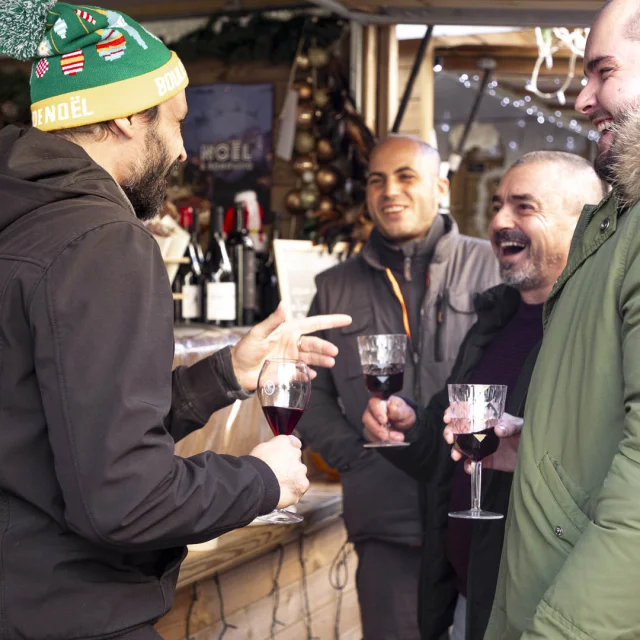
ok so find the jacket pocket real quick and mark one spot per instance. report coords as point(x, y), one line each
point(455, 313)
point(566, 519)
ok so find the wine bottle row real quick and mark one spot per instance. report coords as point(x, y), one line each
point(229, 284)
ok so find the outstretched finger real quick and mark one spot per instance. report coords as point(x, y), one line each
point(314, 345)
point(317, 360)
point(320, 323)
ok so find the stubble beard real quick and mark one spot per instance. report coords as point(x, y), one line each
point(147, 185)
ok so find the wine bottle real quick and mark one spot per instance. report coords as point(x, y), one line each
point(191, 307)
point(267, 275)
point(220, 287)
point(244, 269)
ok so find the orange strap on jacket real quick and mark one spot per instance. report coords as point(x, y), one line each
point(396, 289)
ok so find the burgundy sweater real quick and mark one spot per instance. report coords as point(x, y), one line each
point(500, 364)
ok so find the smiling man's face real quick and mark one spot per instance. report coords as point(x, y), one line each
point(532, 226)
point(403, 189)
point(612, 68)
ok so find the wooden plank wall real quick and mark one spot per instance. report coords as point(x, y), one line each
point(247, 593)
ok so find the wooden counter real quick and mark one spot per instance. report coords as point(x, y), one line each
point(320, 506)
point(246, 562)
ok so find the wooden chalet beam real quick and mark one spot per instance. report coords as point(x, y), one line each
point(370, 76)
point(387, 89)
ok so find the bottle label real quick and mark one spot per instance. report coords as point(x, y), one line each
point(191, 303)
point(249, 295)
point(221, 301)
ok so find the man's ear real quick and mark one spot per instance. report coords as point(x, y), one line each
point(124, 126)
point(442, 186)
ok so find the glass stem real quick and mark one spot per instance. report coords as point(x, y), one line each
point(476, 484)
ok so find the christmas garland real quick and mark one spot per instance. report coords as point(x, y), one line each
point(257, 37)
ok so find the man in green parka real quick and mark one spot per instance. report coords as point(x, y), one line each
point(571, 559)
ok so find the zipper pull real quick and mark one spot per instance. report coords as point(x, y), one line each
point(439, 321)
point(407, 269)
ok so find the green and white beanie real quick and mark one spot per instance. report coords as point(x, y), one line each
point(89, 64)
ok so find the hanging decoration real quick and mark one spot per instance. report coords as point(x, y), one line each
point(575, 41)
point(260, 37)
point(331, 147)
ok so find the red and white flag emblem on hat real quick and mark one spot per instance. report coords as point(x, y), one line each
point(85, 16)
point(72, 63)
point(42, 67)
point(112, 46)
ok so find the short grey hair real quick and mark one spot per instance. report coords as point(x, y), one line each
point(576, 166)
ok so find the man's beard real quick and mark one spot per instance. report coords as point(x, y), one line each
point(525, 277)
point(521, 276)
point(147, 185)
point(606, 161)
point(604, 165)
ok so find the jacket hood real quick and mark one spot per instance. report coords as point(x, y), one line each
point(626, 151)
point(37, 169)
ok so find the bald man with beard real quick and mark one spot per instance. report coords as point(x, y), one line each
point(571, 559)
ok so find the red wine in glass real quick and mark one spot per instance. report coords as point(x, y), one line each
point(477, 446)
point(383, 382)
point(282, 420)
point(475, 410)
point(284, 388)
point(382, 357)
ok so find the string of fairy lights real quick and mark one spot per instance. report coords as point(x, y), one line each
point(530, 111)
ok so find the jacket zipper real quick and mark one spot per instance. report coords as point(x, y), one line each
point(407, 269)
point(416, 360)
point(441, 311)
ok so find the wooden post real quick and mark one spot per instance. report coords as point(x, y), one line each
point(426, 82)
point(387, 78)
point(370, 76)
point(418, 120)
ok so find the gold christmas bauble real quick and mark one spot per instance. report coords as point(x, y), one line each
point(293, 201)
point(321, 97)
point(305, 142)
point(325, 150)
point(302, 164)
point(326, 204)
point(308, 177)
point(305, 116)
point(318, 57)
point(302, 62)
point(308, 198)
point(327, 179)
point(304, 89)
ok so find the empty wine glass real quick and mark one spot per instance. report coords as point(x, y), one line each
point(476, 409)
point(382, 357)
point(284, 389)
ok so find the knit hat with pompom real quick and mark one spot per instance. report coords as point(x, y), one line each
point(89, 64)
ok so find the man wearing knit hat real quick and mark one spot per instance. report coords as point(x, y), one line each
point(95, 509)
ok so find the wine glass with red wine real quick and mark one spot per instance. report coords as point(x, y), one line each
point(476, 409)
point(284, 389)
point(382, 357)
